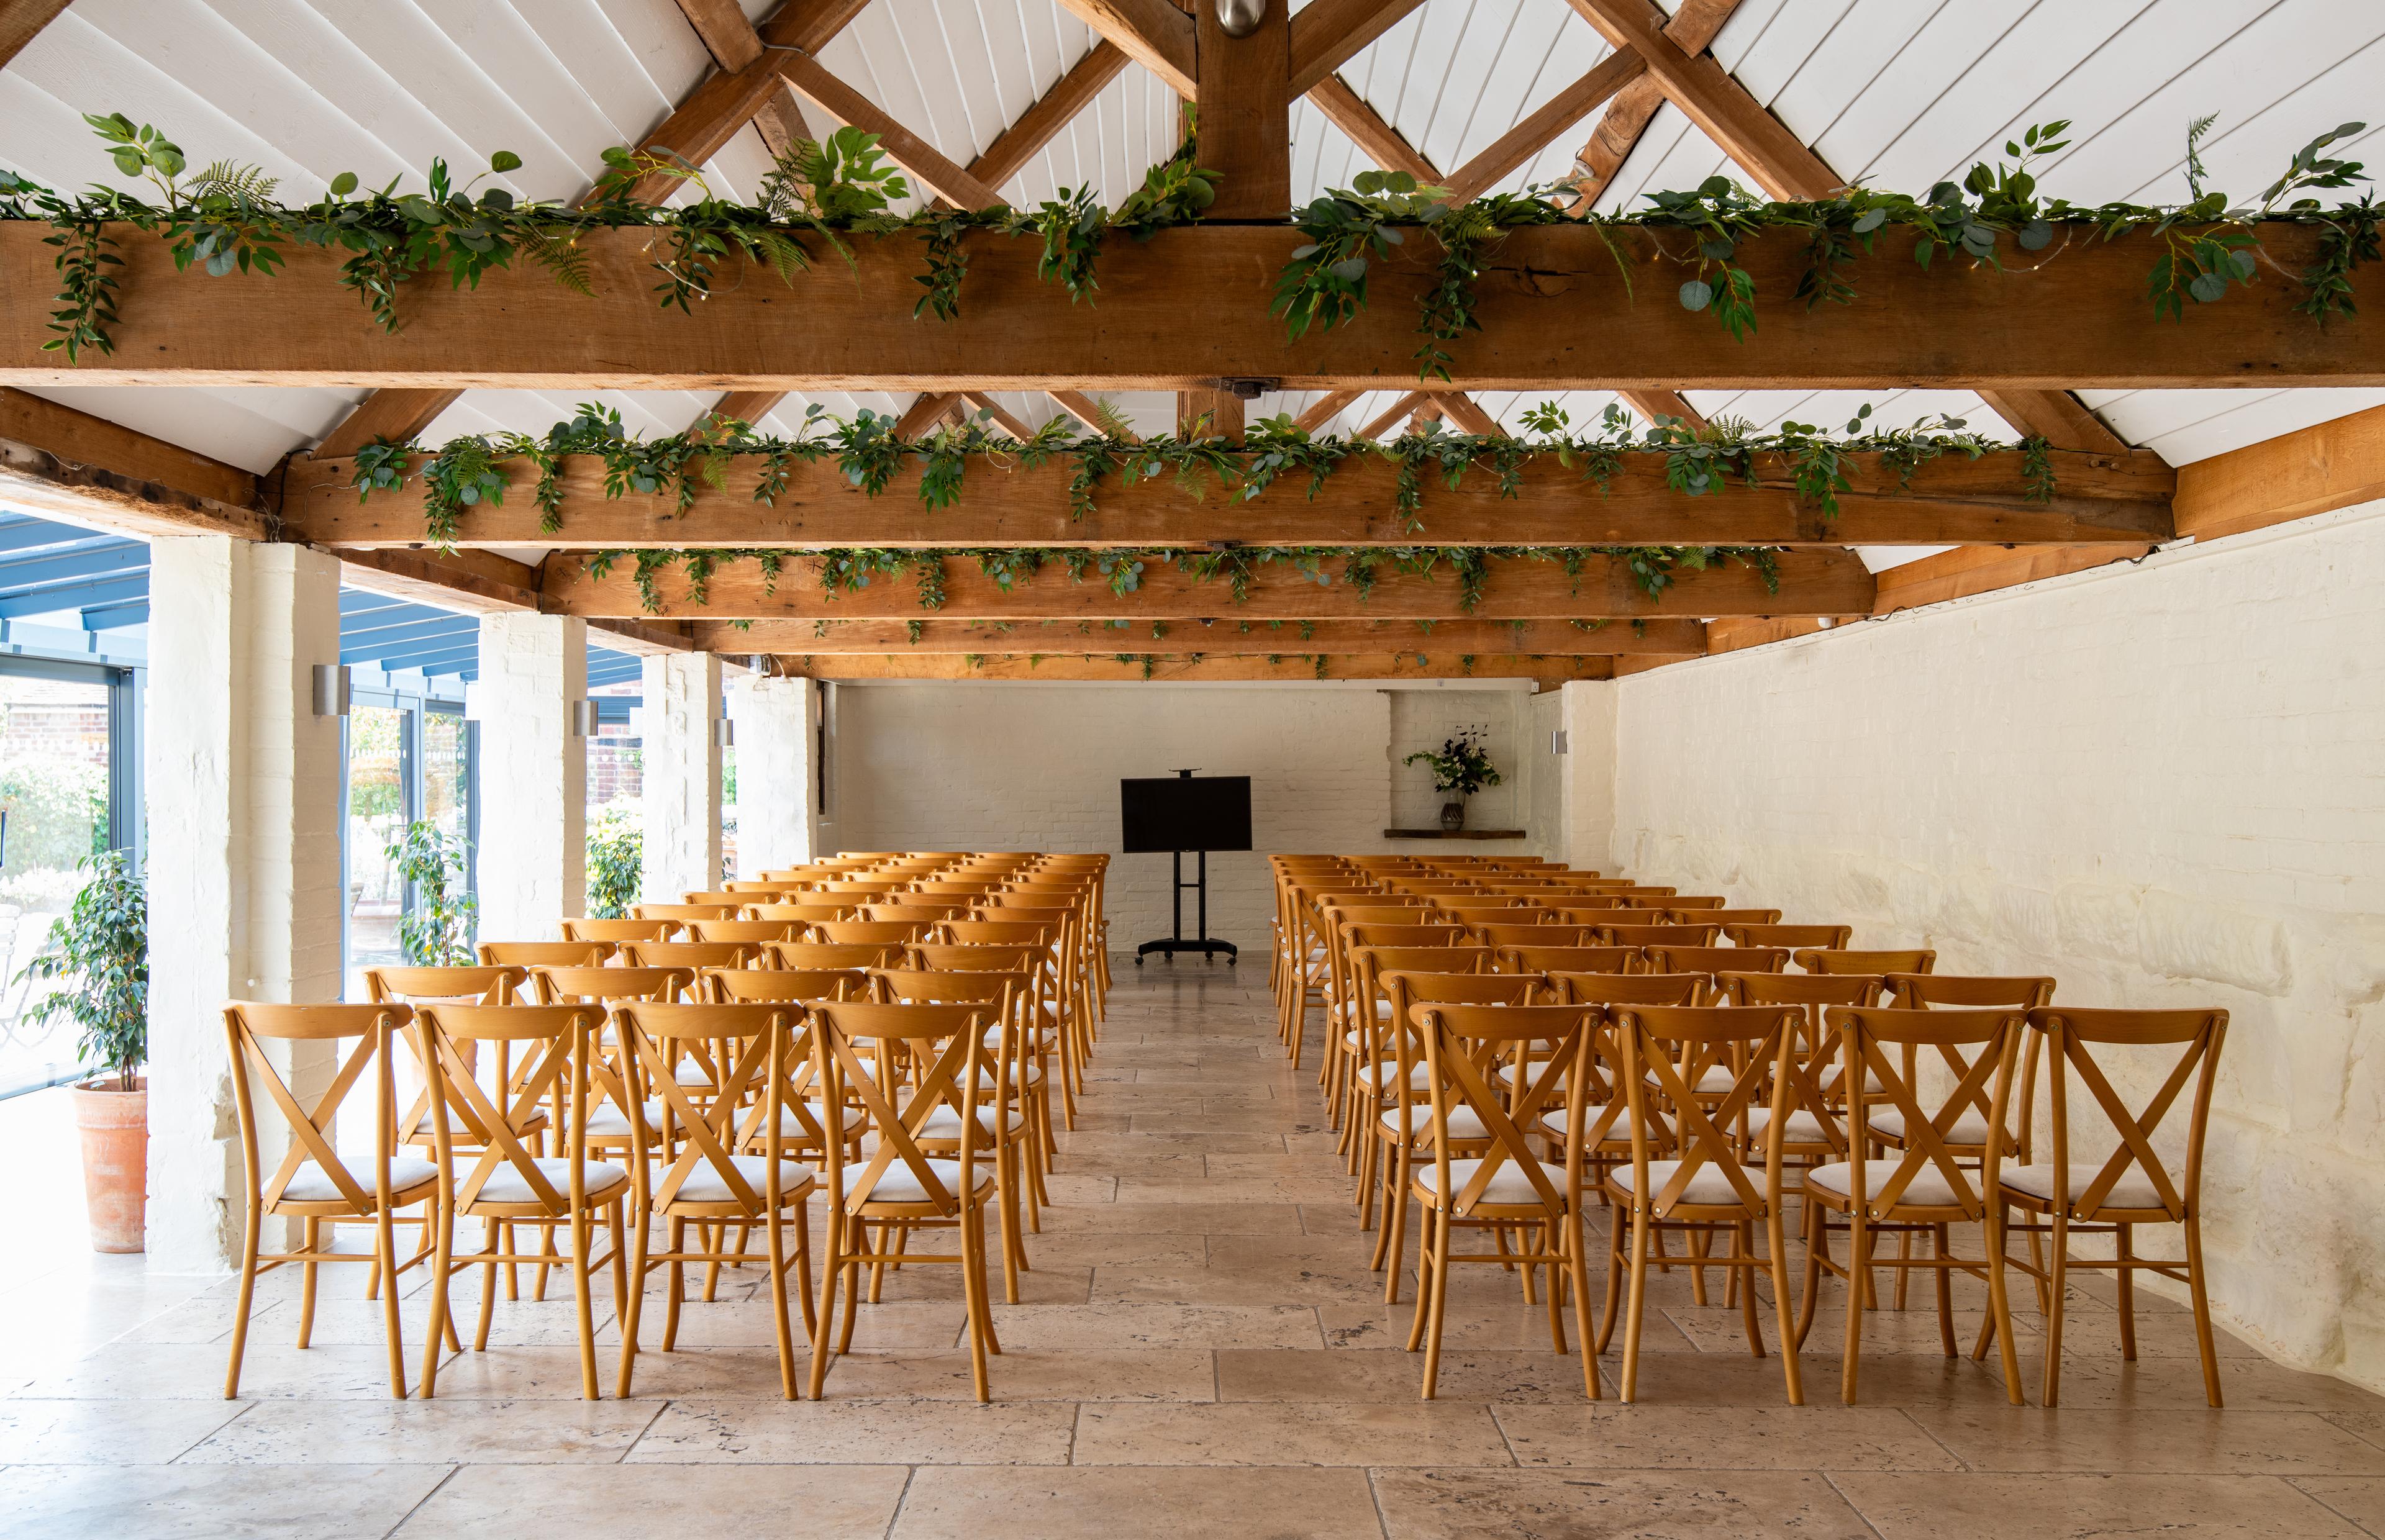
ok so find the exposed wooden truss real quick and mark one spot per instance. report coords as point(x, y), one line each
point(1610, 143)
point(1290, 666)
point(20, 20)
point(1828, 582)
point(1228, 637)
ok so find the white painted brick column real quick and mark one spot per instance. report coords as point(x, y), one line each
point(243, 866)
point(778, 773)
point(534, 783)
point(681, 750)
point(1586, 711)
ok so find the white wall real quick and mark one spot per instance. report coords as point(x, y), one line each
point(2162, 783)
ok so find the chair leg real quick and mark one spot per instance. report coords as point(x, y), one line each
point(313, 1233)
point(1440, 1294)
point(1614, 1299)
point(1999, 1305)
point(2124, 1282)
point(1577, 1271)
point(773, 1225)
point(1428, 1218)
point(1859, 1245)
point(490, 1231)
point(1742, 1248)
point(1818, 1252)
point(1775, 1237)
point(1550, 1247)
point(582, 1234)
point(629, 1307)
point(980, 1318)
point(442, 1262)
point(2203, 1344)
point(2057, 1283)
point(675, 1242)
point(1005, 1162)
point(620, 1257)
point(1637, 1306)
point(385, 1273)
point(832, 1267)
point(247, 1297)
point(1937, 1243)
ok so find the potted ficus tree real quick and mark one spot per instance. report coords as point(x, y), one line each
point(436, 930)
point(1460, 768)
point(100, 948)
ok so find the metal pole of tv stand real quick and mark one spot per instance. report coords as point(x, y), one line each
point(1200, 886)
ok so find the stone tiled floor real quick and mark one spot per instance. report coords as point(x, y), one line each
point(1200, 1349)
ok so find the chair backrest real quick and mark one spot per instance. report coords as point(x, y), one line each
point(1976, 1049)
point(1816, 960)
point(1548, 1048)
point(868, 933)
point(1818, 938)
point(1681, 901)
point(1657, 936)
point(724, 911)
point(1969, 991)
point(993, 933)
point(559, 1061)
point(1667, 1054)
point(1597, 989)
point(1539, 959)
point(916, 911)
point(814, 955)
point(1813, 1064)
point(1726, 918)
point(621, 930)
point(732, 900)
point(789, 986)
point(801, 913)
point(605, 986)
point(970, 960)
point(544, 954)
point(1535, 935)
point(489, 985)
point(1713, 960)
point(842, 1032)
point(1585, 909)
point(756, 1089)
point(691, 955)
point(248, 1026)
point(2073, 1035)
point(1374, 934)
point(752, 932)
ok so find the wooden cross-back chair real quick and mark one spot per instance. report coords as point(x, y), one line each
point(510, 1181)
point(1933, 1182)
point(818, 956)
point(1006, 1123)
point(868, 933)
point(898, 1183)
point(1352, 1000)
point(1393, 1121)
point(1505, 1187)
point(692, 955)
point(916, 911)
point(726, 910)
point(1584, 909)
point(800, 915)
point(622, 931)
point(751, 933)
point(1687, 1170)
point(1328, 914)
point(1039, 1044)
point(1553, 934)
point(1051, 993)
point(1716, 915)
point(1716, 960)
point(1656, 935)
point(1303, 973)
point(1838, 959)
point(1795, 938)
point(733, 1166)
point(608, 1132)
point(313, 1182)
point(1815, 1133)
point(1607, 1140)
point(2136, 1184)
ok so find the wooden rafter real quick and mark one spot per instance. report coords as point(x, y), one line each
point(1535, 132)
point(21, 21)
point(1080, 407)
point(1003, 418)
point(1327, 34)
point(1610, 143)
point(722, 27)
point(1468, 414)
point(1049, 113)
point(909, 150)
point(60, 462)
point(930, 408)
point(1290, 666)
point(1809, 582)
point(1652, 404)
point(1393, 416)
point(1226, 637)
point(1324, 410)
point(1155, 33)
point(1244, 129)
point(1383, 144)
point(1543, 294)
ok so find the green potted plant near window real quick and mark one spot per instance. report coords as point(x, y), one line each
point(436, 930)
point(101, 946)
point(1460, 768)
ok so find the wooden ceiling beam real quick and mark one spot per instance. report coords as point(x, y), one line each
point(1809, 582)
point(1244, 129)
point(1554, 316)
point(734, 44)
point(928, 409)
point(1541, 126)
point(1652, 404)
point(1327, 34)
point(1393, 416)
point(1382, 143)
point(1325, 410)
point(1082, 407)
point(1693, 26)
point(1003, 418)
point(1155, 33)
point(22, 20)
point(399, 416)
point(1952, 500)
point(63, 464)
point(1469, 414)
point(1290, 666)
point(1052, 111)
point(1228, 637)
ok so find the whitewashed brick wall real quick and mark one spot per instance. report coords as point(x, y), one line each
point(1425, 719)
point(2162, 783)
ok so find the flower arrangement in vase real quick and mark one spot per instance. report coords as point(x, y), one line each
point(1460, 768)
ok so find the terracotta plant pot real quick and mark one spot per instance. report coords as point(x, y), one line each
point(1453, 817)
point(115, 1127)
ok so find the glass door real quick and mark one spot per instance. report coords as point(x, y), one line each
point(381, 802)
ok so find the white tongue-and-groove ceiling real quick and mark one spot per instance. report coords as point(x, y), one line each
point(1897, 93)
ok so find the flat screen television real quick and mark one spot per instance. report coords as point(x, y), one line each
point(1180, 813)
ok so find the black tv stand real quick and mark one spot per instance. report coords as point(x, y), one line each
point(1202, 944)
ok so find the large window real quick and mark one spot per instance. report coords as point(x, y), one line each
point(67, 754)
point(409, 758)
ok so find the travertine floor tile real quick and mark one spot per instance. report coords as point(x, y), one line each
point(1064, 1329)
point(2151, 1440)
point(1651, 1437)
point(635, 1502)
point(1260, 1434)
point(1478, 1505)
point(857, 1433)
point(1105, 1503)
point(1990, 1507)
point(2358, 1498)
point(428, 1433)
point(208, 1502)
point(107, 1433)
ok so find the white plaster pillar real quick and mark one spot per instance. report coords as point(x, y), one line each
point(680, 750)
point(1586, 713)
point(533, 781)
point(243, 784)
point(778, 771)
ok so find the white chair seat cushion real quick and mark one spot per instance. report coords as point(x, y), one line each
point(1382, 1009)
point(507, 1185)
point(1386, 1071)
point(1715, 1081)
point(689, 1072)
point(946, 1124)
point(899, 1184)
point(1970, 1127)
point(1044, 1041)
point(2133, 1190)
point(790, 1127)
point(706, 1184)
point(1804, 1126)
point(1708, 1186)
point(1464, 1123)
point(1928, 1188)
point(311, 1183)
point(608, 1121)
point(1508, 1183)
